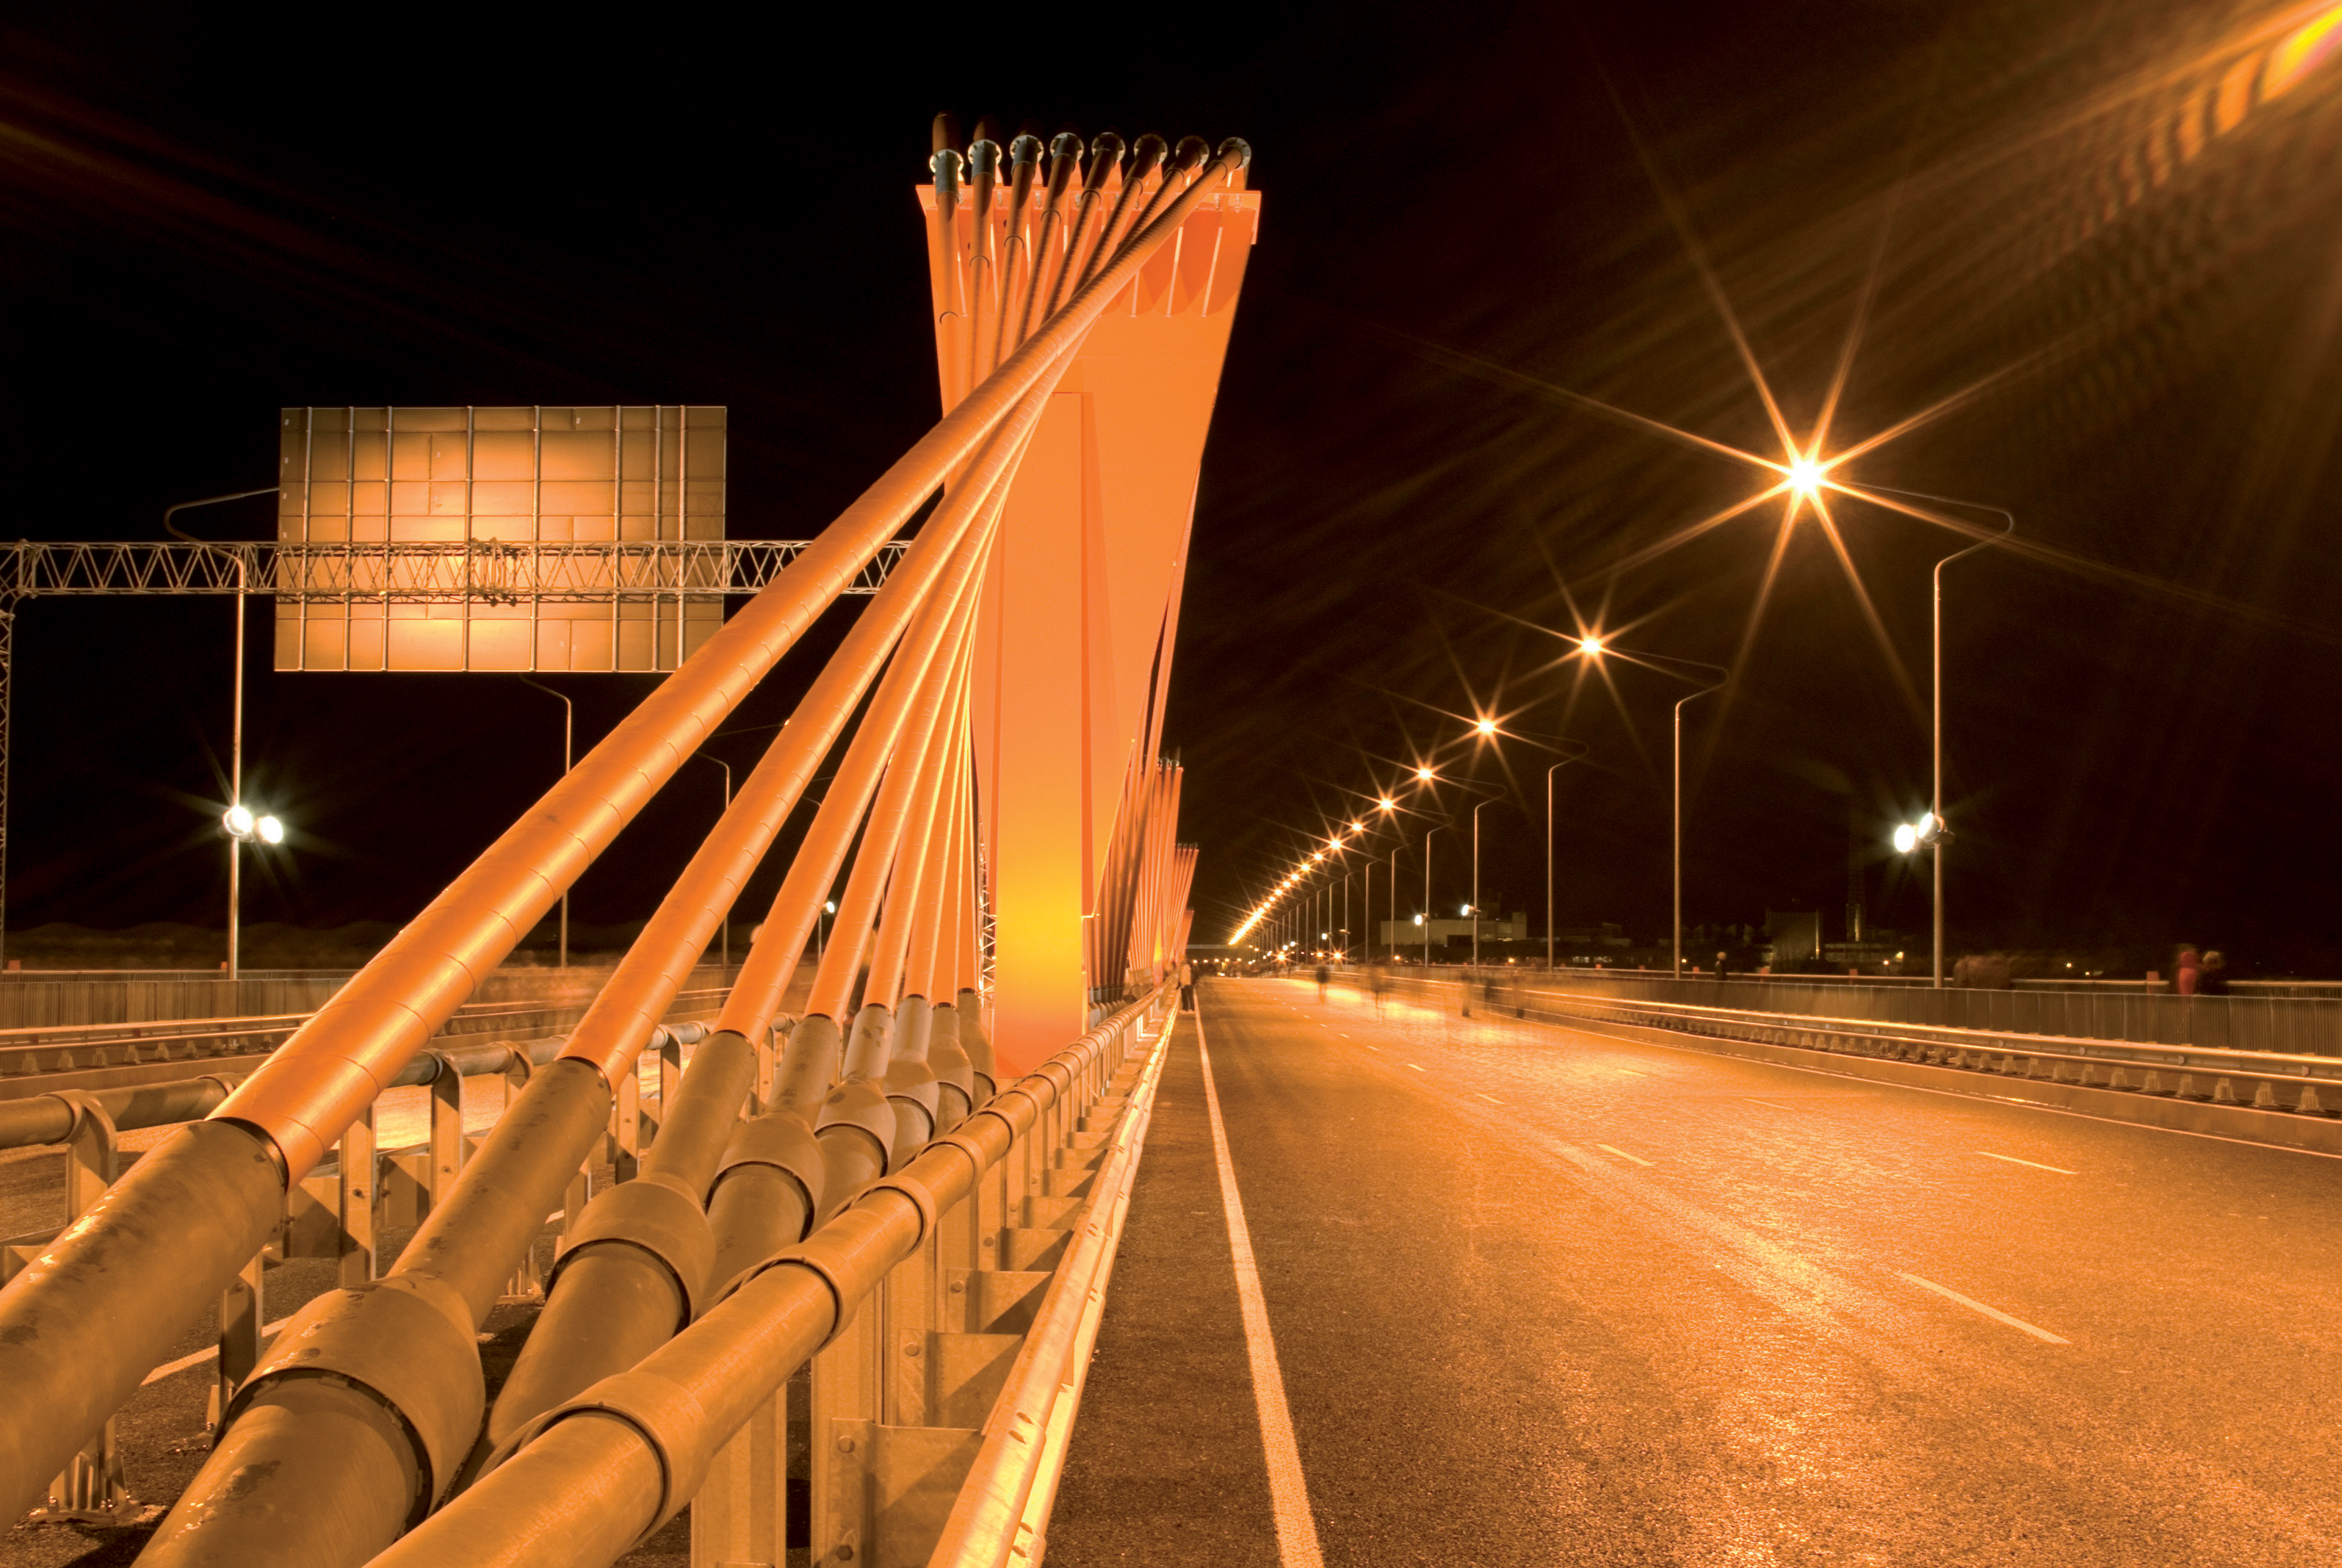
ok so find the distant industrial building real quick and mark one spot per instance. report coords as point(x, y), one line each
point(1406, 934)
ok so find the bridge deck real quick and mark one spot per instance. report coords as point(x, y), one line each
point(1542, 1296)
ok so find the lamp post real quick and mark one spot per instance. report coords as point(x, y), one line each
point(569, 736)
point(1475, 880)
point(242, 827)
point(1934, 846)
point(1427, 893)
point(236, 840)
point(1548, 854)
point(1594, 648)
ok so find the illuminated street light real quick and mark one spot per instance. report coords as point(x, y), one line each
point(1386, 803)
point(1486, 728)
point(1424, 775)
point(1805, 476)
point(1926, 832)
point(237, 821)
point(1590, 645)
point(271, 830)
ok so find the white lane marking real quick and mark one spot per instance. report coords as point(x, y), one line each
point(173, 1368)
point(1418, 1069)
point(1997, 1316)
point(1288, 1489)
point(2037, 1165)
point(1753, 1101)
point(1637, 1072)
point(1622, 1153)
point(1490, 1098)
point(1370, 1047)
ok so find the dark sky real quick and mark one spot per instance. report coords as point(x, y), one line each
point(1477, 218)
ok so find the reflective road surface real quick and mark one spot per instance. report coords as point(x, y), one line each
point(1547, 1295)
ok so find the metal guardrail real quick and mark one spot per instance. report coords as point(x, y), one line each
point(27, 1054)
point(945, 1314)
point(2268, 1081)
point(996, 1307)
point(339, 1213)
point(2289, 1026)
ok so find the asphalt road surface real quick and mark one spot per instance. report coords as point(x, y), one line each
point(1552, 1295)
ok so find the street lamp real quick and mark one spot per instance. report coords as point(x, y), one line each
point(1426, 892)
point(1933, 844)
point(1594, 647)
point(1548, 838)
point(241, 826)
point(1476, 879)
point(236, 810)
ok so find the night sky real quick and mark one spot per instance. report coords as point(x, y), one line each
point(1482, 227)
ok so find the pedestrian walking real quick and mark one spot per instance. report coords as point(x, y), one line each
point(1186, 987)
point(2212, 979)
point(2186, 971)
point(1325, 978)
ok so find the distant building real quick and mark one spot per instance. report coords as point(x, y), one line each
point(1796, 935)
point(1409, 933)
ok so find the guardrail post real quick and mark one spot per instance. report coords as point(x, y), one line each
point(239, 1340)
point(846, 1385)
point(355, 1206)
point(624, 1146)
point(91, 1489)
point(447, 1150)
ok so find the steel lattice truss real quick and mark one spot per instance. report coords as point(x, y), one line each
point(421, 572)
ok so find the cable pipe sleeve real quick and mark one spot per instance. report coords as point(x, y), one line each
point(628, 1453)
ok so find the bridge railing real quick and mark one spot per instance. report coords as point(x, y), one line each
point(2265, 1079)
point(2292, 1026)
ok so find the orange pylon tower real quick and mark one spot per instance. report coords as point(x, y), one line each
point(1081, 601)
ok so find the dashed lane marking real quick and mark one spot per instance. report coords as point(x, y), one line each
point(2037, 1165)
point(1490, 1098)
point(1418, 1069)
point(1753, 1101)
point(1622, 1154)
point(1973, 1305)
point(1288, 1489)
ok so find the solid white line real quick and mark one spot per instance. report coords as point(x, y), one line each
point(1288, 1491)
point(173, 1368)
point(2037, 1165)
point(1953, 1295)
point(1622, 1153)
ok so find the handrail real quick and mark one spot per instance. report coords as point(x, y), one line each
point(590, 1478)
point(1004, 1501)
